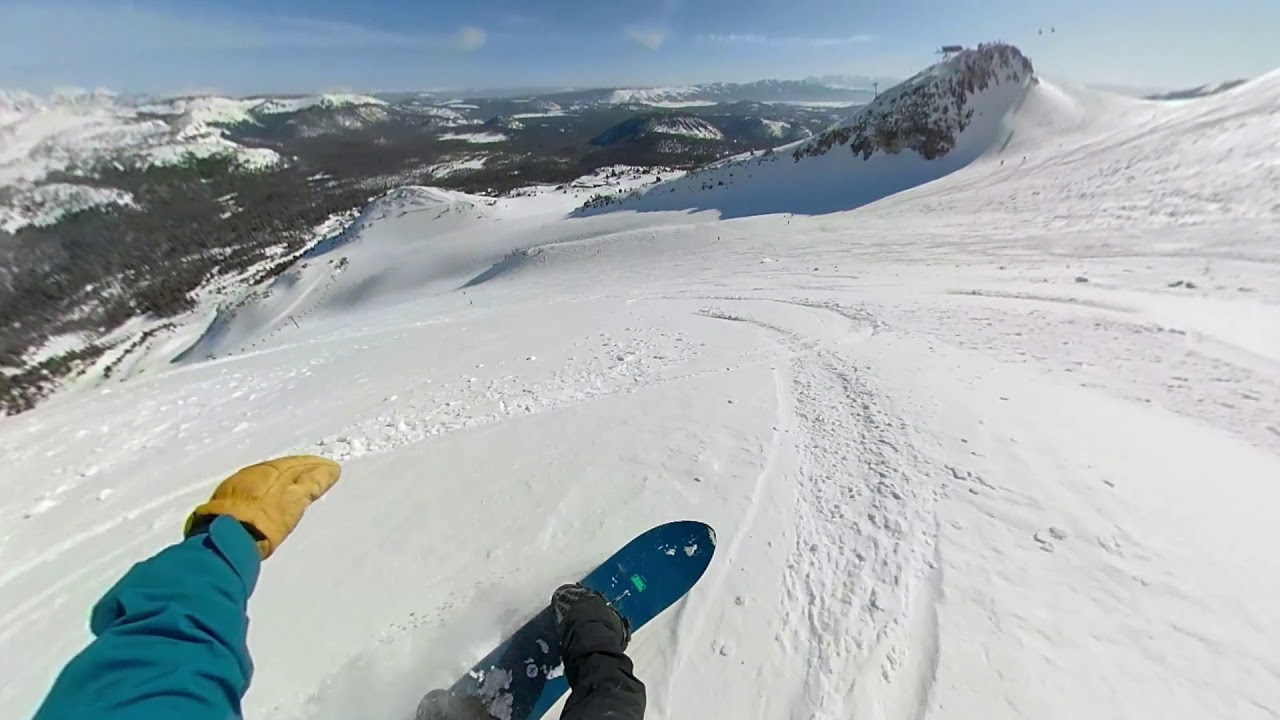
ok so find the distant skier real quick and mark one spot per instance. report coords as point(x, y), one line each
point(171, 634)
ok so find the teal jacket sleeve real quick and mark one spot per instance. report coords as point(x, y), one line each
point(170, 637)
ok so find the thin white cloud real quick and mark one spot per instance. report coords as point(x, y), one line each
point(471, 38)
point(735, 39)
point(648, 36)
point(803, 41)
point(857, 39)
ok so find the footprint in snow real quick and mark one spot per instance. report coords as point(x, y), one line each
point(1043, 537)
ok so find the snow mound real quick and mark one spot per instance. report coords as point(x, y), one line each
point(687, 126)
point(411, 241)
point(399, 243)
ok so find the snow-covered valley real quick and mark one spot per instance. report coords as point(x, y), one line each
point(995, 435)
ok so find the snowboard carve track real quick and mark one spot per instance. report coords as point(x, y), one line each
point(1036, 297)
point(860, 587)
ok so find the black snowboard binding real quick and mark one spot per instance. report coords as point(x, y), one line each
point(593, 637)
point(586, 622)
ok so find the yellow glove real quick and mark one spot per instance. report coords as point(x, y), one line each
point(269, 498)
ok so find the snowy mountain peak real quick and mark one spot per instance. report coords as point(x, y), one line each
point(274, 106)
point(929, 112)
point(795, 91)
point(647, 96)
point(948, 115)
point(17, 101)
point(81, 96)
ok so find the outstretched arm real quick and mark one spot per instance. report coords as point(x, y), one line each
point(170, 636)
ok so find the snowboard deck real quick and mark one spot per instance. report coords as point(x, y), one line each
point(523, 677)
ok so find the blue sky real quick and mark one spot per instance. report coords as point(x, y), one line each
point(255, 46)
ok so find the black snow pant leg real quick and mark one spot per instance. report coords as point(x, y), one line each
point(600, 676)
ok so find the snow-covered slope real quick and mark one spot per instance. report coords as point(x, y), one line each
point(641, 127)
point(1002, 445)
point(929, 126)
point(206, 110)
point(339, 120)
point(46, 204)
point(441, 116)
point(74, 132)
point(80, 132)
point(693, 127)
point(653, 95)
point(774, 128)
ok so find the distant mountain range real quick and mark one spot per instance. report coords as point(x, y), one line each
point(60, 147)
point(828, 89)
point(714, 92)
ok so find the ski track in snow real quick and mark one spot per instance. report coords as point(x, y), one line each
point(1002, 445)
point(854, 574)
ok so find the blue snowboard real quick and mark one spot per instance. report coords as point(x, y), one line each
point(524, 676)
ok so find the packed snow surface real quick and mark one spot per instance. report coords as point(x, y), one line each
point(1002, 443)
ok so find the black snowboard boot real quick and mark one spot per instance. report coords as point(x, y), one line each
point(444, 705)
point(593, 640)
